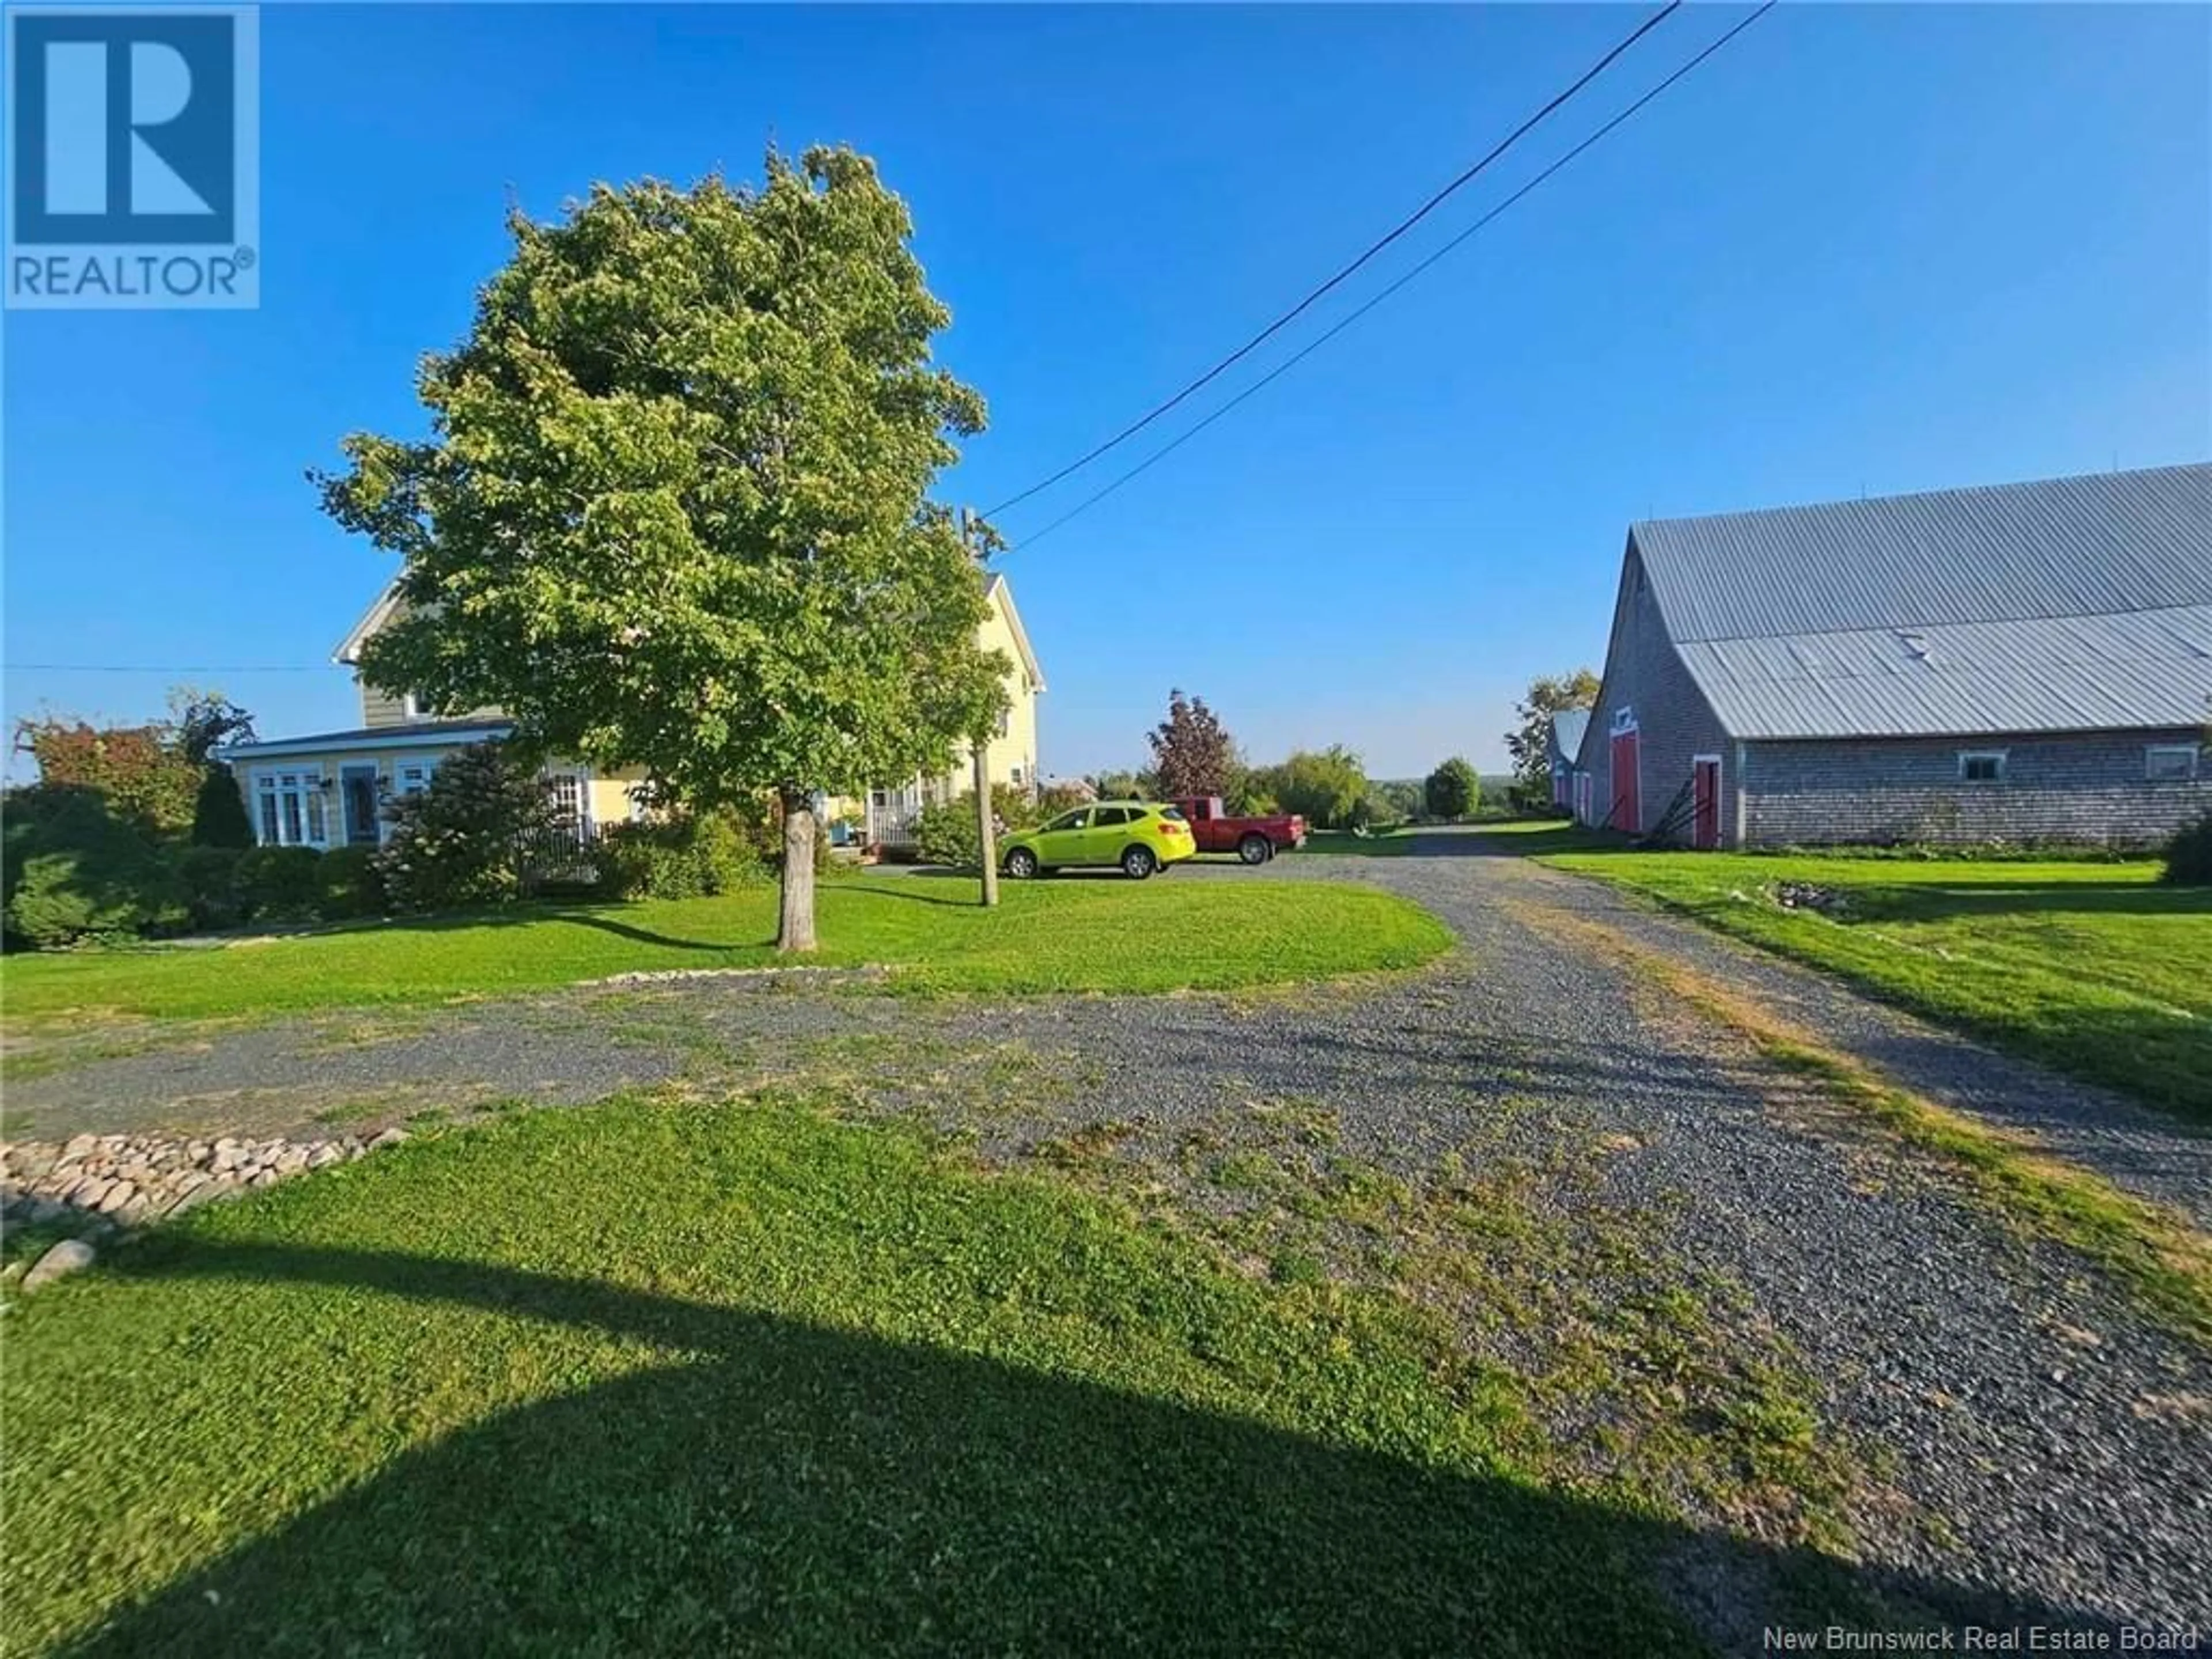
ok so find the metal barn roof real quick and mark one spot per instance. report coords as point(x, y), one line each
point(1567, 728)
point(2069, 604)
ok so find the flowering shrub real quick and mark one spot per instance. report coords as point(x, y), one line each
point(457, 844)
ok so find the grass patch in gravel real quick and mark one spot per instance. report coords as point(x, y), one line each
point(655, 1377)
point(2093, 968)
point(1052, 935)
point(2154, 1252)
point(1633, 1374)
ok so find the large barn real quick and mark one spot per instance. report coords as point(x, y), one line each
point(2024, 662)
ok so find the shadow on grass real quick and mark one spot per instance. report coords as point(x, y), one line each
point(607, 924)
point(1518, 840)
point(770, 1486)
point(1938, 900)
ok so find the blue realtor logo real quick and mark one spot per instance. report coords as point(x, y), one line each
point(134, 175)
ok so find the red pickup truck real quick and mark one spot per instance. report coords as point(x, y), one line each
point(1253, 840)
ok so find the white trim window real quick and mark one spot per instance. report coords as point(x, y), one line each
point(289, 809)
point(569, 789)
point(1981, 765)
point(412, 777)
point(2170, 762)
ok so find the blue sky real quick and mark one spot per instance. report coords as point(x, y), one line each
point(1865, 249)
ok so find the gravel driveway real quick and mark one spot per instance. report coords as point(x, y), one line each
point(2040, 1439)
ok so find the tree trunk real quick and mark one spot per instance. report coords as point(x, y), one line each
point(795, 929)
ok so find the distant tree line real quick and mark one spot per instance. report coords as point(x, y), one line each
point(1194, 753)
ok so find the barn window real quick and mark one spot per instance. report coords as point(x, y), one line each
point(1981, 765)
point(2170, 762)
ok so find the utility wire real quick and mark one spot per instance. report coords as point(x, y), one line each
point(165, 668)
point(1298, 310)
point(1288, 363)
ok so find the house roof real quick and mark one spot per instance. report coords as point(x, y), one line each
point(2068, 605)
point(379, 613)
point(1002, 596)
point(414, 734)
point(1567, 728)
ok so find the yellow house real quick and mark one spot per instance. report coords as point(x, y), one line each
point(889, 813)
point(328, 790)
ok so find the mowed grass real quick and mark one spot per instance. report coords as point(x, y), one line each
point(1072, 934)
point(2093, 968)
point(663, 1378)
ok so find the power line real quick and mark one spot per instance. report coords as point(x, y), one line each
point(1350, 317)
point(1399, 229)
point(167, 668)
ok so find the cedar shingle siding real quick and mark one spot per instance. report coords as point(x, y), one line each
point(1644, 678)
point(2088, 786)
point(1840, 660)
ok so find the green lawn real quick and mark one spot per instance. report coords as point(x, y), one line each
point(656, 1378)
point(2092, 968)
point(1070, 934)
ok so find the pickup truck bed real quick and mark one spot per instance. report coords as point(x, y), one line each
point(1255, 840)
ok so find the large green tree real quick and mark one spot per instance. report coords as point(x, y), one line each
point(1328, 788)
point(672, 509)
point(1453, 790)
point(1529, 742)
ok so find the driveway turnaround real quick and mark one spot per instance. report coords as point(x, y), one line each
point(2030, 1426)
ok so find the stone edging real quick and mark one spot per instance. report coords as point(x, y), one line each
point(678, 975)
point(126, 1181)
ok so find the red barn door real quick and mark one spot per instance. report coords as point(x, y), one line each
point(1627, 804)
point(1705, 793)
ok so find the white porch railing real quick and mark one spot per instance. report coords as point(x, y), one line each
point(893, 815)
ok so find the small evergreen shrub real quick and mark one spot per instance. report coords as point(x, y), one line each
point(280, 883)
point(214, 898)
point(347, 884)
point(2189, 854)
point(74, 871)
point(219, 814)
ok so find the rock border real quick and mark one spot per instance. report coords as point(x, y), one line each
point(127, 1180)
point(680, 975)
